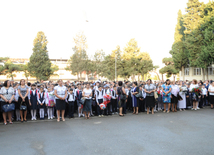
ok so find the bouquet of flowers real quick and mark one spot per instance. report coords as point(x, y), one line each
point(107, 96)
point(196, 91)
point(102, 106)
point(159, 93)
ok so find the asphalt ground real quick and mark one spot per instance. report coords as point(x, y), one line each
point(181, 133)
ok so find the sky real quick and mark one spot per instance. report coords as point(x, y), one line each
point(110, 23)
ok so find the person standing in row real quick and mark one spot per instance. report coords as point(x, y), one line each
point(174, 96)
point(33, 101)
point(60, 93)
point(23, 99)
point(211, 94)
point(121, 92)
point(194, 96)
point(71, 100)
point(135, 100)
point(87, 93)
point(114, 99)
point(7, 95)
point(166, 89)
point(150, 100)
point(41, 102)
point(99, 99)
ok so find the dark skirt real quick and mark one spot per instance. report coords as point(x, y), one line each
point(194, 97)
point(60, 104)
point(211, 99)
point(174, 99)
point(17, 106)
point(150, 101)
point(26, 102)
point(121, 103)
point(87, 105)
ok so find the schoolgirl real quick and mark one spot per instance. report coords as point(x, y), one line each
point(70, 101)
point(50, 102)
point(41, 102)
point(114, 100)
point(79, 96)
point(17, 106)
point(33, 101)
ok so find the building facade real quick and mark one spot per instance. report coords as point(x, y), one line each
point(62, 73)
point(190, 73)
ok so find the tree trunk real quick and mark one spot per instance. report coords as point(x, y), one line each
point(143, 77)
point(174, 77)
point(162, 77)
point(183, 72)
point(203, 72)
point(157, 75)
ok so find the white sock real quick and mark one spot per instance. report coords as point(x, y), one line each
point(17, 114)
point(34, 114)
point(31, 111)
point(48, 111)
point(41, 111)
point(51, 115)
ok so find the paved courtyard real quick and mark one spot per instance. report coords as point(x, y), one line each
point(181, 133)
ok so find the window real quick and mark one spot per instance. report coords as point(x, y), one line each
point(186, 71)
point(210, 71)
point(197, 71)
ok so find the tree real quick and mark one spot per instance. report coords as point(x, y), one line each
point(40, 65)
point(78, 61)
point(169, 68)
point(99, 56)
point(11, 68)
point(2, 65)
point(193, 16)
point(25, 70)
point(179, 52)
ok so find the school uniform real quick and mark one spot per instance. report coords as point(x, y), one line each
point(17, 106)
point(99, 100)
point(33, 100)
point(71, 100)
point(114, 101)
point(107, 111)
point(141, 102)
point(41, 100)
point(79, 96)
point(204, 95)
point(50, 98)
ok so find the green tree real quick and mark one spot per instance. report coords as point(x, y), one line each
point(2, 65)
point(11, 69)
point(25, 70)
point(78, 61)
point(169, 68)
point(40, 65)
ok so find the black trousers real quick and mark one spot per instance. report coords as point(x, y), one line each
point(71, 108)
point(124, 108)
point(114, 105)
point(200, 102)
point(99, 111)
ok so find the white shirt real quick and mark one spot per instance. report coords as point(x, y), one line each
point(175, 90)
point(113, 94)
point(211, 89)
point(204, 91)
point(193, 86)
point(38, 97)
point(99, 95)
point(87, 92)
point(60, 90)
point(71, 97)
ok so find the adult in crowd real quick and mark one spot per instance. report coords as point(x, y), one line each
point(87, 93)
point(211, 94)
point(150, 100)
point(135, 100)
point(23, 99)
point(194, 96)
point(121, 93)
point(166, 89)
point(207, 97)
point(60, 93)
point(7, 95)
point(182, 93)
point(174, 96)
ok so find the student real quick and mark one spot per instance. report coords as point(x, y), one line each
point(33, 101)
point(141, 100)
point(70, 101)
point(114, 100)
point(79, 96)
point(204, 94)
point(41, 102)
point(107, 90)
point(99, 99)
point(50, 102)
point(160, 101)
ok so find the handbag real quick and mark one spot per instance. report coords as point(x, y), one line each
point(8, 107)
point(23, 107)
point(82, 100)
point(122, 96)
point(51, 102)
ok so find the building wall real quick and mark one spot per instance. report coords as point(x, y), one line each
point(192, 76)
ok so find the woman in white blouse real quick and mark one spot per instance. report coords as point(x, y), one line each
point(211, 94)
point(7, 95)
point(194, 97)
point(87, 93)
point(60, 93)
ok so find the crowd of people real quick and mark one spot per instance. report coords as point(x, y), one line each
point(40, 100)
